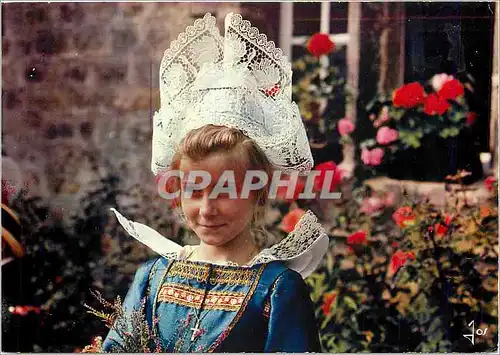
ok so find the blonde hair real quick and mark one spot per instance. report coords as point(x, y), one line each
point(209, 139)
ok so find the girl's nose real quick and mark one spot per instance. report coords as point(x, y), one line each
point(208, 206)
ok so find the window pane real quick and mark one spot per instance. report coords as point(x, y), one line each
point(298, 52)
point(454, 38)
point(306, 18)
point(338, 17)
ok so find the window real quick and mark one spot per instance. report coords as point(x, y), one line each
point(341, 20)
point(301, 20)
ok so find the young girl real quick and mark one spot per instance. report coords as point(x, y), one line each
point(226, 106)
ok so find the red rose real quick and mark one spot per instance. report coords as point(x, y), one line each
point(435, 104)
point(490, 182)
point(291, 219)
point(399, 258)
point(404, 216)
point(328, 300)
point(357, 238)
point(440, 229)
point(471, 118)
point(409, 95)
point(451, 90)
point(484, 212)
point(320, 44)
point(320, 179)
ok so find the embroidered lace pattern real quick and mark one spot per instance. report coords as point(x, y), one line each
point(240, 80)
point(307, 231)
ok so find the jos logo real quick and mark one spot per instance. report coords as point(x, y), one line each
point(478, 332)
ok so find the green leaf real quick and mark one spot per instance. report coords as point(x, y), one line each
point(457, 116)
point(368, 143)
point(449, 132)
point(349, 302)
point(396, 113)
point(411, 138)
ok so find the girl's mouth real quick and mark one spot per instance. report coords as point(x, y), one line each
point(212, 226)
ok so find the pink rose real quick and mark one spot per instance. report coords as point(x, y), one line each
point(371, 205)
point(386, 135)
point(438, 80)
point(345, 126)
point(372, 157)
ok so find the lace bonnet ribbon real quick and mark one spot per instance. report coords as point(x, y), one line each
point(240, 80)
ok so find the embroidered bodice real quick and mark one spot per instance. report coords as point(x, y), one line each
point(204, 307)
point(196, 306)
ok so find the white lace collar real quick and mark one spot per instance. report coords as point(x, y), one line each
point(302, 250)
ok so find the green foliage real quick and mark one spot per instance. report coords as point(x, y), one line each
point(67, 257)
point(447, 278)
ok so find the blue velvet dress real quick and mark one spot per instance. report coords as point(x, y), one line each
point(204, 307)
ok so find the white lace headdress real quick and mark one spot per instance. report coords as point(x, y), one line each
point(240, 80)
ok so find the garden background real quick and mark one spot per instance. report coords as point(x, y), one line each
point(399, 99)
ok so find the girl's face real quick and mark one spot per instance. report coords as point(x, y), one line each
point(217, 221)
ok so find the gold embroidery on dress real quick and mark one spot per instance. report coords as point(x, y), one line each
point(232, 277)
point(267, 309)
point(190, 271)
point(242, 309)
point(219, 274)
point(267, 303)
point(193, 297)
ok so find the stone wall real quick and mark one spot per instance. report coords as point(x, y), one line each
point(80, 85)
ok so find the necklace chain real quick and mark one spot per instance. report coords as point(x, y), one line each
point(197, 312)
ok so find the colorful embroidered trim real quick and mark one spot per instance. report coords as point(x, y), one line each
point(243, 307)
point(219, 274)
point(267, 309)
point(193, 297)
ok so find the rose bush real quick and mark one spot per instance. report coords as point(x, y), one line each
point(415, 111)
